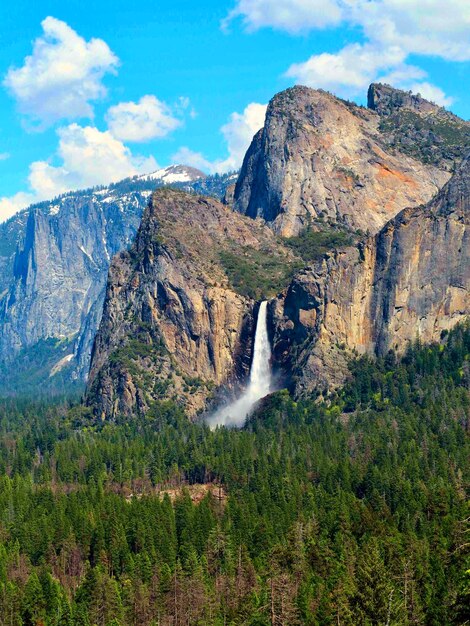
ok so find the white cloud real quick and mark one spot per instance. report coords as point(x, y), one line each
point(347, 72)
point(13, 204)
point(238, 133)
point(4, 156)
point(431, 92)
point(391, 29)
point(428, 27)
point(293, 16)
point(62, 75)
point(186, 156)
point(88, 157)
point(404, 75)
point(146, 119)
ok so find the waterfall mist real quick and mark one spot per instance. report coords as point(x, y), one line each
point(260, 382)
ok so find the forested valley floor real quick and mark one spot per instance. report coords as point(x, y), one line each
point(346, 512)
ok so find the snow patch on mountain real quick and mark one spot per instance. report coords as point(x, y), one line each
point(175, 174)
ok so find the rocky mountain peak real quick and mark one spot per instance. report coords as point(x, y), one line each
point(320, 160)
point(386, 100)
point(418, 128)
point(177, 315)
point(176, 174)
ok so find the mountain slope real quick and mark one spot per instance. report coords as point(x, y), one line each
point(54, 259)
point(179, 307)
point(320, 159)
point(419, 128)
point(175, 174)
point(410, 281)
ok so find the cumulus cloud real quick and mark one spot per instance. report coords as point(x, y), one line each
point(238, 133)
point(431, 92)
point(392, 31)
point(293, 16)
point(149, 118)
point(348, 71)
point(62, 75)
point(13, 204)
point(186, 156)
point(87, 157)
point(428, 27)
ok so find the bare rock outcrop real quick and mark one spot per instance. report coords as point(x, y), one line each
point(173, 327)
point(410, 281)
point(320, 160)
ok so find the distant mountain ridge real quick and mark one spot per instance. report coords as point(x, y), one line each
point(175, 174)
point(54, 259)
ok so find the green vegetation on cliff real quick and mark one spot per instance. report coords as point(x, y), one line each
point(312, 244)
point(258, 274)
point(43, 370)
point(261, 274)
point(432, 139)
point(352, 512)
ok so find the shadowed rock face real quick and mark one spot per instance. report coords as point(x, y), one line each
point(411, 280)
point(54, 261)
point(58, 273)
point(319, 159)
point(172, 325)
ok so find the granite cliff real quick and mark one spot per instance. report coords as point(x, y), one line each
point(181, 304)
point(178, 316)
point(180, 301)
point(54, 260)
point(410, 281)
point(320, 159)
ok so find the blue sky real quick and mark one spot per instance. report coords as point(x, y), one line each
point(92, 92)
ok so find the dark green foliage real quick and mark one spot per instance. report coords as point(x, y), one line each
point(351, 512)
point(31, 373)
point(136, 349)
point(312, 244)
point(260, 274)
point(257, 274)
point(433, 139)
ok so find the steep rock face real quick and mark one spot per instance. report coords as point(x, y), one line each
point(411, 280)
point(172, 325)
point(59, 273)
point(421, 129)
point(319, 159)
point(54, 260)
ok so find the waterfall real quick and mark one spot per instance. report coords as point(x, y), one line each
point(259, 384)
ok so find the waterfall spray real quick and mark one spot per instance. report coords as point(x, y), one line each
point(259, 384)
